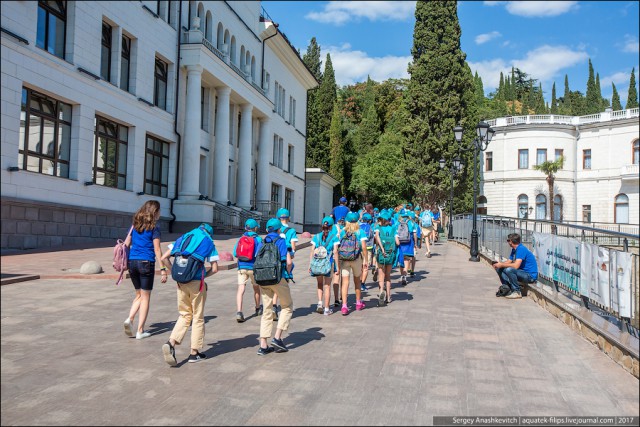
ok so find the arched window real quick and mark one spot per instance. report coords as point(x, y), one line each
point(557, 208)
point(523, 206)
point(621, 209)
point(208, 27)
point(541, 206)
point(201, 16)
point(242, 57)
point(253, 69)
point(220, 38)
point(232, 50)
point(225, 45)
point(247, 62)
point(636, 153)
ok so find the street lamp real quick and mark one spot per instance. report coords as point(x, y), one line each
point(523, 211)
point(455, 167)
point(352, 203)
point(484, 134)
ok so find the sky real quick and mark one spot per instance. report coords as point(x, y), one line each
point(546, 39)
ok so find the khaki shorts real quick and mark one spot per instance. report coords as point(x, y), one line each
point(347, 267)
point(244, 275)
point(427, 230)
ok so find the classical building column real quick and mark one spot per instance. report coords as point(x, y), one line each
point(243, 186)
point(221, 169)
point(190, 188)
point(265, 153)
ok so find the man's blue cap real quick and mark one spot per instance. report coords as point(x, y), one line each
point(343, 200)
point(283, 213)
point(352, 217)
point(367, 217)
point(250, 224)
point(327, 220)
point(273, 224)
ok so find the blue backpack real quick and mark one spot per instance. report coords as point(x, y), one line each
point(348, 249)
point(190, 251)
point(365, 227)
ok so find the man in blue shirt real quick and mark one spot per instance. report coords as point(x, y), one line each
point(522, 265)
point(340, 211)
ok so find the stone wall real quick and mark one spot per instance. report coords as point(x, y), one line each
point(34, 225)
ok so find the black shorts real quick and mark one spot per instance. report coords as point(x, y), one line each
point(142, 273)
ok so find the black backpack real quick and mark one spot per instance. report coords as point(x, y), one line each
point(267, 268)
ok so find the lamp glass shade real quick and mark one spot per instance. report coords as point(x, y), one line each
point(523, 210)
point(442, 163)
point(456, 163)
point(482, 129)
point(457, 131)
point(490, 134)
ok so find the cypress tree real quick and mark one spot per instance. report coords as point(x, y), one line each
point(603, 103)
point(336, 148)
point(615, 99)
point(312, 59)
point(313, 148)
point(319, 119)
point(480, 90)
point(593, 98)
point(632, 97)
point(369, 128)
point(566, 99)
point(439, 96)
point(501, 89)
point(554, 101)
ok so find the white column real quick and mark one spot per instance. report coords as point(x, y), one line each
point(221, 170)
point(191, 150)
point(243, 186)
point(265, 153)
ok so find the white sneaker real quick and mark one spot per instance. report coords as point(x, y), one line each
point(143, 335)
point(328, 311)
point(127, 327)
point(319, 309)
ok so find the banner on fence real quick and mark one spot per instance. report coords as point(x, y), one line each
point(566, 262)
point(620, 264)
point(543, 251)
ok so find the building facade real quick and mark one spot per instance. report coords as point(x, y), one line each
point(198, 105)
point(599, 179)
point(319, 198)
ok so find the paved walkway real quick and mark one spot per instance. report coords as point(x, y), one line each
point(444, 346)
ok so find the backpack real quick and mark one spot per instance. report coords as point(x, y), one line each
point(368, 231)
point(189, 252)
point(246, 248)
point(267, 269)
point(403, 232)
point(348, 248)
point(321, 262)
point(389, 246)
point(121, 257)
point(426, 220)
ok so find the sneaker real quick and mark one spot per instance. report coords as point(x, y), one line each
point(319, 309)
point(363, 288)
point(375, 275)
point(239, 317)
point(142, 335)
point(404, 280)
point(411, 273)
point(359, 305)
point(265, 351)
point(259, 310)
point(275, 313)
point(388, 300)
point(169, 353)
point(514, 295)
point(382, 298)
point(279, 345)
point(127, 327)
point(193, 358)
point(344, 310)
point(328, 311)
point(336, 303)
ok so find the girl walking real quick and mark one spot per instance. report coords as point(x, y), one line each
point(385, 236)
point(320, 255)
point(350, 251)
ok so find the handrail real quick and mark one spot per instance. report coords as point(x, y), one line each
point(561, 119)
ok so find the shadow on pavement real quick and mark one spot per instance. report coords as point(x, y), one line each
point(298, 339)
point(231, 345)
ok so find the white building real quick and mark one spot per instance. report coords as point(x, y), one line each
point(319, 198)
point(599, 179)
point(196, 104)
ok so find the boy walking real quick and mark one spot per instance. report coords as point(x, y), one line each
point(245, 252)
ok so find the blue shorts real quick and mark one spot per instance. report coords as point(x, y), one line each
point(142, 273)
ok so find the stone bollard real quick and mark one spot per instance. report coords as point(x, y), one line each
point(90, 267)
point(225, 256)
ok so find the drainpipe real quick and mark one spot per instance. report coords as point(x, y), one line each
point(263, 42)
point(175, 122)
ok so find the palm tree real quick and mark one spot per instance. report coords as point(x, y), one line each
point(550, 169)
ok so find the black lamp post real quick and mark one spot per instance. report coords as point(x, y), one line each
point(484, 134)
point(455, 167)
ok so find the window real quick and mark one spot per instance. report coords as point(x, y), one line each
point(586, 159)
point(265, 84)
point(636, 153)
point(557, 208)
point(523, 206)
point(541, 206)
point(586, 213)
point(45, 134)
point(292, 110)
point(52, 27)
point(488, 156)
point(558, 154)
point(125, 63)
point(276, 97)
point(290, 159)
point(523, 159)
point(105, 53)
point(277, 151)
point(541, 156)
point(110, 154)
point(156, 167)
point(204, 109)
point(621, 206)
point(288, 200)
point(279, 99)
point(160, 86)
point(275, 193)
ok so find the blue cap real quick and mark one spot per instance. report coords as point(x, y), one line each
point(341, 219)
point(367, 217)
point(404, 213)
point(412, 214)
point(206, 227)
point(417, 208)
point(283, 213)
point(273, 224)
point(343, 200)
point(385, 215)
point(250, 224)
point(352, 217)
point(327, 220)
point(376, 210)
point(409, 205)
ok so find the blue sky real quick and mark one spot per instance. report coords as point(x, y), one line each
point(545, 39)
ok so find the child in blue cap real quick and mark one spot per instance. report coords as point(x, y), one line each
point(245, 251)
point(322, 246)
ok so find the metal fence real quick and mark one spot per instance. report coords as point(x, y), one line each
point(231, 219)
point(492, 242)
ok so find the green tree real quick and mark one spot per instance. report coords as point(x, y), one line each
point(594, 99)
point(578, 103)
point(477, 80)
point(565, 105)
point(369, 129)
point(550, 169)
point(615, 99)
point(319, 119)
point(312, 59)
point(632, 97)
point(440, 95)
point(336, 148)
point(554, 101)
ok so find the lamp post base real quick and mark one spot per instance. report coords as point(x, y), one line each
point(474, 259)
point(450, 235)
point(474, 246)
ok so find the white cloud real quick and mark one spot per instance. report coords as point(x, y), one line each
point(631, 44)
point(341, 12)
point(351, 66)
point(618, 78)
point(483, 38)
point(535, 8)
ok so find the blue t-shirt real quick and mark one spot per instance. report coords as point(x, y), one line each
point(528, 264)
point(328, 243)
point(142, 244)
point(290, 236)
point(248, 265)
point(339, 212)
point(436, 216)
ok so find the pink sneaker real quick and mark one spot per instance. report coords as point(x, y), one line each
point(359, 305)
point(345, 310)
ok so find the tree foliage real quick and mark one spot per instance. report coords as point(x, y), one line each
point(632, 96)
